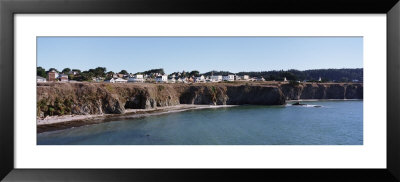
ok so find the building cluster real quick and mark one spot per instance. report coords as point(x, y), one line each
point(155, 78)
point(139, 78)
point(53, 76)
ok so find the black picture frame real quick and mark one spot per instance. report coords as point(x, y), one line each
point(8, 8)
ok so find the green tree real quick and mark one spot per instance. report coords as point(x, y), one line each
point(66, 70)
point(77, 70)
point(123, 72)
point(109, 75)
point(98, 72)
point(194, 73)
point(87, 75)
point(41, 72)
point(184, 74)
point(288, 75)
point(153, 71)
point(51, 69)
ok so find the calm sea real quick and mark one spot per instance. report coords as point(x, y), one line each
point(334, 123)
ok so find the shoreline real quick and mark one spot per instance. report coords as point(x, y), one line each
point(52, 123)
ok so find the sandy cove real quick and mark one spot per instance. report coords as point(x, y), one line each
point(51, 123)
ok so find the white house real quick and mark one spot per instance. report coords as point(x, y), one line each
point(245, 77)
point(208, 79)
point(261, 79)
point(136, 78)
point(216, 78)
point(319, 79)
point(253, 79)
point(63, 77)
point(112, 80)
point(162, 79)
point(120, 80)
point(40, 79)
point(200, 79)
point(284, 79)
point(229, 78)
point(172, 80)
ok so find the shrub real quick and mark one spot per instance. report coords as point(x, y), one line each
point(294, 83)
point(51, 110)
point(160, 87)
point(109, 88)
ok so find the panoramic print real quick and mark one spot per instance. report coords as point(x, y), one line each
point(199, 91)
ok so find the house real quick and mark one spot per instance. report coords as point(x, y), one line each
point(171, 80)
point(63, 78)
point(185, 79)
point(245, 77)
point(40, 79)
point(120, 80)
point(319, 79)
point(72, 73)
point(229, 78)
point(261, 79)
point(216, 78)
point(179, 80)
point(237, 77)
point(162, 79)
point(52, 75)
point(136, 78)
point(199, 79)
point(284, 79)
point(190, 80)
point(112, 80)
point(97, 79)
point(208, 79)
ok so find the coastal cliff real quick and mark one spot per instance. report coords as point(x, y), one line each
point(107, 98)
point(323, 91)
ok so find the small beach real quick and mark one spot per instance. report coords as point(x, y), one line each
point(51, 123)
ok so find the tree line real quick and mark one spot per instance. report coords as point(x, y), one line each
point(332, 75)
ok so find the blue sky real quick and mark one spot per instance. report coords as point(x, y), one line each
point(234, 54)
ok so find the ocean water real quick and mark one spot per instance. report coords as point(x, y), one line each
point(334, 123)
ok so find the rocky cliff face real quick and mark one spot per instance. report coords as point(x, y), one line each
point(323, 91)
point(107, 98)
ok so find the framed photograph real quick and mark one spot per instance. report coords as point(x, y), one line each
point(153, 90)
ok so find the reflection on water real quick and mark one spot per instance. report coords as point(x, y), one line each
point(334, 123)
